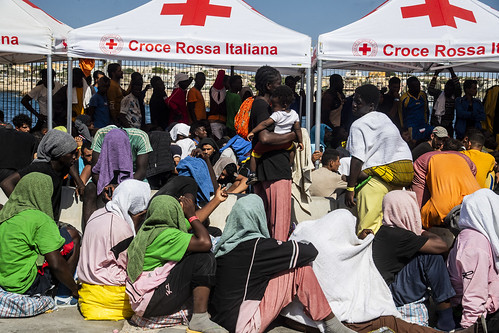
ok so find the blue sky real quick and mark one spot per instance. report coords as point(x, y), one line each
point(311, 17)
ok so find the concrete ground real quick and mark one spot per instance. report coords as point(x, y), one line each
point(69, 320)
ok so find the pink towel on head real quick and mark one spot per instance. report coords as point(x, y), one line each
point(401, 210)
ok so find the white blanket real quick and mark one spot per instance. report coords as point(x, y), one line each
point(375, 140)
point(345, 270)
point(479, 212)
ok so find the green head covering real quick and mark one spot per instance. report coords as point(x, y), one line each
point(34, 191)
point(247, 220)
point(164, 212)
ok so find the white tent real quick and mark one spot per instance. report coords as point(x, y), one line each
point(414, 36)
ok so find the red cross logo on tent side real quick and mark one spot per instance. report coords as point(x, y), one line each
point(111, 44)
point(194, 12)
point(440, 12)
point(365, 47)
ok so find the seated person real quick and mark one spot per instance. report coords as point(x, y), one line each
point(362, 309)
point(17, 151)
point(473, 261)
point(229, 177)
point(485, 163)
point(27, 231)
point(435, 142)
point(409, 259)
point(326, 181)
point(257, 276)
point(103, 258)
point(284, 120)
point(167, 265)
point(85, 162)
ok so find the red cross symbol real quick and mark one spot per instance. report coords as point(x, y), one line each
point(364, 49)
point(440, 12)
point(111, 44)
point(194, 12)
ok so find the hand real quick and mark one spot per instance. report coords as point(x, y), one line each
point(108, 191)
point(250, 136)
point(75, 294)
point(302, 93)
point(147, 87)
point(363, 234)
point(317, 155)
point(349, 202)
point(197, 152)
point(187, 206)
point(383, 90)
point(438, 71)
point(300, 146)
point(221, 193)
point(79, 190)
point(79, 141)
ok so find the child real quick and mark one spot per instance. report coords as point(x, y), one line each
point(98, 107)
point(285, 121)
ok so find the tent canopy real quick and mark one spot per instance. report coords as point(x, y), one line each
point(28, 33)
point(417, 35)
point(208, 32)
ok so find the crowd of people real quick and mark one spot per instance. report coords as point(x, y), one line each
point(414, 222)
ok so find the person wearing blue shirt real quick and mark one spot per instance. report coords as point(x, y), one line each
point(469, 110)
point(98, 106)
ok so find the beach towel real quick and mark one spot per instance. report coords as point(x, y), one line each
point(196, 168)
point(302, 174)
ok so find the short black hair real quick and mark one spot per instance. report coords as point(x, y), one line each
point(111, 68)
point(21, 119)
point(330, 155)
point(476, 137)
point(394, 80)
point(284, 95)
point(96, 74)
point(155, 79)
point(369, 94)
point(265, 75)
point(44, 72)
point(412, 79)
point(468, 83)
point(86, 145)
point(195, 125)
point(233, 79)
point(452, 144)
point(335, 79)
point(105, 79)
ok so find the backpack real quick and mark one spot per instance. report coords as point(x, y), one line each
point(241, 120)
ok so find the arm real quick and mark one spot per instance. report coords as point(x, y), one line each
point(457, 86)
point(260, 127)
point(270, 138)
point(239, 185)
point(200, 241)
point(355, 169)
point(10, 183)
point(478, 110)
point(214, 182)
point(61, 271)
point(141, 162)
point(190, 108)
point(26, 103)
point(299, 138)
point(431, 87)
point(86, 173)
point(205, 212)
point(434, 244)
point(73, 260)
point(462, 108)
point(80, 186)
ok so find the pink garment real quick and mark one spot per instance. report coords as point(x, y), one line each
point(400, 209)
point(98, 264)
point(300, 282)
point(276, 196)
point(141, 291)
point(421, 170)
point(473, 276)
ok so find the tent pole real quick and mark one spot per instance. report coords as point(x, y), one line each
point(318, 108)
point(308, 101)
point(231, 70)
point(69, 106)
point(49, 91)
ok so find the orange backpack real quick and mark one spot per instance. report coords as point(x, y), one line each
point(241, 120)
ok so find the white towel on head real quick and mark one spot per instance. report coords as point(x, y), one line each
point(180, 129)
point(187, 145)
point(130, 196)
point(345, 270)
point(479, 212)
point(376, 141)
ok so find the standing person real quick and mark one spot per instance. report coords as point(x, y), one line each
point(291, 82)
point(96, 75)
point(377, 149)
point(469, 110)
point(131, 110)
point(218, 106)
point(195, 100)
point(176, 102)
point(413, 111)
point(391, 101)
point(99, 107)
point(157, 106)
point(115, 92)
point(444, 105)
point(233, 102)
point(273, 170)
point(332, 102)
point(39, 94)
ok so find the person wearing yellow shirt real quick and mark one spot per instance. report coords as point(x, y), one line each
point(485, 162)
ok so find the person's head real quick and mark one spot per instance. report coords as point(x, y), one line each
point(182, 81)
point(336, 82)
point(157, 83)
point(365, 100)
point(266, 80)
point(401, 210)
point(236, 83)
point(86, 152)
point(452, 144)
point(96, 76)
point(245, 93)
point(114, 71)
point(228, 175)
point(199, 80)
point(474, 139)
point(198, 130)
point(180, 131)
point(208, 149)
point(281, 98)
point(405, 134)
point(470, 87)
point(103, 85)
point(136, 87)
point(43, 74)
point(413, 85)
point(226, 82)
point(78, 77)
point(291, 81)
point(22, 122)
point(331, 159)
point(438, 137)
point(449, 88)
point(394, 85)
point(59, 148)
point(136, 77)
